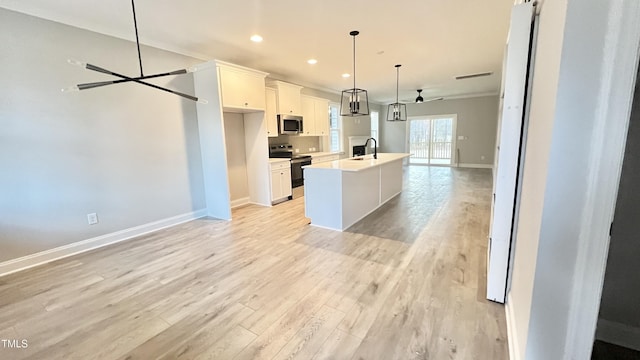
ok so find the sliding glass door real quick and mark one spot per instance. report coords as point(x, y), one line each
point(431, 139)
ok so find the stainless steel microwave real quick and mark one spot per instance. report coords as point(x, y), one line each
point(289, 124)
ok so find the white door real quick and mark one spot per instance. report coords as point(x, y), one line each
point(431, 139)
point(508, 150)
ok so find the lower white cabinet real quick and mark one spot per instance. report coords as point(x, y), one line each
point(280, 180)
point(324, 158)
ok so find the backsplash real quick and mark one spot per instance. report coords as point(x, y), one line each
point(304, 144)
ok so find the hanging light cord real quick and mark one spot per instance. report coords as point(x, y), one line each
point(135, 25)
point(397, 83)
point(354, 60)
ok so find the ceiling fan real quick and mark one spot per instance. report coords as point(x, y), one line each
point(420, 99)
point(124, 78)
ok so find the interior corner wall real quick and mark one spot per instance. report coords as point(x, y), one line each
point(568, 75)
point(127, 152)
point(236, 156)
point(477, 121)
point(619, 318)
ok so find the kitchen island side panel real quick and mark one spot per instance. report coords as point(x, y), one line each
point(361, 194)
point(390, 180)
point(323, 197)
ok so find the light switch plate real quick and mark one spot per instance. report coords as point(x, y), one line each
point(92, 218)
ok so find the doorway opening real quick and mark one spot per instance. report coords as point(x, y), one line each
point(431, 139)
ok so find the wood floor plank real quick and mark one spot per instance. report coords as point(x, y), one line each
point(406, 282)
point(338, 346)
point(311, 335)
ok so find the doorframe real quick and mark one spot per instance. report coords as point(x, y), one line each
point(454, 136)
point(605, 166)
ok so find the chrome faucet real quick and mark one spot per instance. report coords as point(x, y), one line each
point(375, 147)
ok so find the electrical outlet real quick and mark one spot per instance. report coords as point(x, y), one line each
point(92, 218)
point(297, 151)
point(482, 157)
point(460, 137)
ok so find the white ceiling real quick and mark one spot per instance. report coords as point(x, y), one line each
point(434, 40)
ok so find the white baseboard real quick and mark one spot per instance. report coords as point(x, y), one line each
point(239, 202)
point(476, 166)
point(512, 336)
point(43, 257)
point(618, 334)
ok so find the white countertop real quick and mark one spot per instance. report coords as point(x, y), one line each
point(276, 160)
point(357, 165)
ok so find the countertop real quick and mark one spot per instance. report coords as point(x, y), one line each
point(358, 165)
point(275, 160)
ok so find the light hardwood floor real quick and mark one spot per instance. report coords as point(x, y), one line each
point(407, 282)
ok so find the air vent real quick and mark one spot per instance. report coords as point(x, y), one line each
point(461, 77)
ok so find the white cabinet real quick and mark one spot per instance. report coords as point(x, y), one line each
point(271, 112)
point(287, 98)
point(315, 116)
point(209, 84)
point(280, 180)
point(308, 116)
point(322, 117)
point(242, 89)
point(315, 159)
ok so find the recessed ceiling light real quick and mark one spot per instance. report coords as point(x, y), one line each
point(345, 75)
point(312, 61)
point(256, 38)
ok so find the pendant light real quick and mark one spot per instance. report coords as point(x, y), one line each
point(397, 111)
point(354, 102)
point(419, 99)
point(124, 78)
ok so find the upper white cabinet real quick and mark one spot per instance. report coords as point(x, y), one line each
point(216, 81)
point(315, 116)
point(271, 112)
point(308, 116)
point(242, 89)
point(287, 98)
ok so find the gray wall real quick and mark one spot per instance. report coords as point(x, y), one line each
point(620, 301)
point(477, 121)
point(236, 155)
point(128, 152)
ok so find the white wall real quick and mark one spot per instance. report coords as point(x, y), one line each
point(544, 90)
point(571, 70)
point(477, 121)
point(128, 152)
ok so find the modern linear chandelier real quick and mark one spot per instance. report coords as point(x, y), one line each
point(124, 78)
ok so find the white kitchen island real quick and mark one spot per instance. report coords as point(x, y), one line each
point(337, 194)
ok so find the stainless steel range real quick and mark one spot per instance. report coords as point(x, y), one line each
point(297, 162)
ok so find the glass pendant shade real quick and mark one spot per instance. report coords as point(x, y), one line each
point(354, 101)
point(397, 111)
